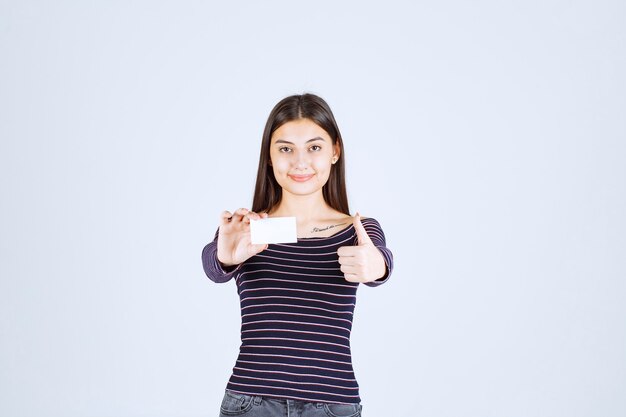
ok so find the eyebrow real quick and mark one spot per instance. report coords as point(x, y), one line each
point(291, 143)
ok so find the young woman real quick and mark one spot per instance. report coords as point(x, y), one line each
point(298, 299)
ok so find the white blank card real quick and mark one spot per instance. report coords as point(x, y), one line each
point(273, 230)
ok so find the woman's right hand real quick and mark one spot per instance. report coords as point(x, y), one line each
point(233, 242)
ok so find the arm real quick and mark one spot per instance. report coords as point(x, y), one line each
point(376, 234)
point(213, 268)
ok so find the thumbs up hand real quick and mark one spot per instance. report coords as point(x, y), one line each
point(364, 262)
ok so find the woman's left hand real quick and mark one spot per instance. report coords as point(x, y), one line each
point(364, 262)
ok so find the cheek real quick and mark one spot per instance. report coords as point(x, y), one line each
point(280, 164)
point(322, 163)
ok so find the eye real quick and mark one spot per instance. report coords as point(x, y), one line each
point(316, 146)
point(281, 149)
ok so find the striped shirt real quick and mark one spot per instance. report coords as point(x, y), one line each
point(296, 317)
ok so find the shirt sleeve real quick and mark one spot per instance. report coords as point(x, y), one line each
point(212, 266)
point(375, 232)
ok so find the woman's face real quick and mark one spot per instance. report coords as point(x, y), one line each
point(301, 156)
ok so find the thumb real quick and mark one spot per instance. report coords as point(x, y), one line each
point(361, 233)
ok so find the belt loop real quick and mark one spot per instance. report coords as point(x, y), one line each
point(257, 400)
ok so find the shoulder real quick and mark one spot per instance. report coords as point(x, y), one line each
point(370, 223)
point(367, 219)
point(374, 230)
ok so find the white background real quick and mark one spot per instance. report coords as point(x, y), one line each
point(488, 138)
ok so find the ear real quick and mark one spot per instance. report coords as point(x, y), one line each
point(337, 150)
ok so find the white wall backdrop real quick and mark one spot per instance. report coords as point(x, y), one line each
point(488, 138)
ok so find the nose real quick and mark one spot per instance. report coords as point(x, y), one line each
point(302, 160)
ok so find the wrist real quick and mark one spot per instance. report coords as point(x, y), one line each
point(224, 264)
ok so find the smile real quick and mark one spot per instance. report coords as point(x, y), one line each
point(301, 178)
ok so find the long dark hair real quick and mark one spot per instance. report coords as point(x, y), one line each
point(268, 192)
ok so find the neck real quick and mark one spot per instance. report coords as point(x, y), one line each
point(305, 208)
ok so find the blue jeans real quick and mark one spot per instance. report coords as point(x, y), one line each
point(235, 404)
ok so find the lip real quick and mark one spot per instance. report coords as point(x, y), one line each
point(301, 178)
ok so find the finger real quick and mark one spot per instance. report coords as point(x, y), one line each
point(259, 247)
point(348, 269)
point(349, 262)
point(225, 217)
point(251, 215)
point(239, 214)
point(347, 251)
point(361, 233)
point(351, 277)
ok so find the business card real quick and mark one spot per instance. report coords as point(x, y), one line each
point(273, 230)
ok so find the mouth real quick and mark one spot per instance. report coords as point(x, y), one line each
point(301, 178)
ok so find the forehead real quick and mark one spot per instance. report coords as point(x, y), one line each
point(299, 132)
